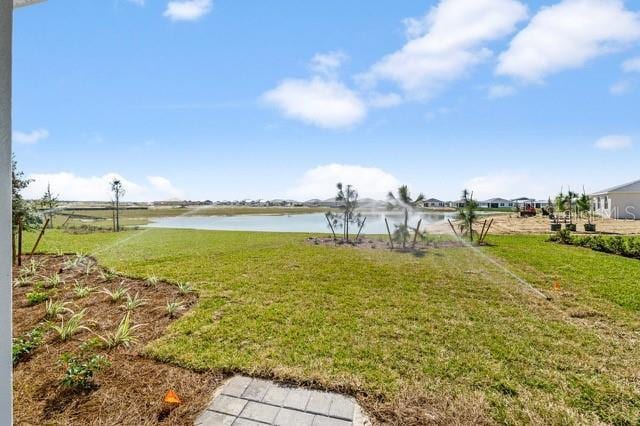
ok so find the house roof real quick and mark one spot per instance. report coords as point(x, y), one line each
point(496, 200)
point(433, 200)
point(627, 187)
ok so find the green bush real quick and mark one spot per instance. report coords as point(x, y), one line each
point(618, 245)
point(80, 369)
point(36, 296)
point(23, 346)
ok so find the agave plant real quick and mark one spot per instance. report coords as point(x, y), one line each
point(123, 334)
point(72, 326)
point(173, 308)
point(55, 308)
point(117, 294)
point(133, 302)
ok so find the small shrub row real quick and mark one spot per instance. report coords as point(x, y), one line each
point(621, 246)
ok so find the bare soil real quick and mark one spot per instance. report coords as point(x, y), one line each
point(131, 389)
point(514, 224)
point(378, 244)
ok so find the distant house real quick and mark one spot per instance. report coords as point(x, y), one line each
point(433, 203)
point(619, 202)
point(496, 203)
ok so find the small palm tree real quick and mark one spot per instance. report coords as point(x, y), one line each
point(404, 201)
point(468, 214)
point(584, 205)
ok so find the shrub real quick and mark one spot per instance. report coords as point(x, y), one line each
point(73, 325)
point(621, 246)
point(36, 296)
point(81, 369)
point(24, 346)
point(21, 281)
point(123, 334)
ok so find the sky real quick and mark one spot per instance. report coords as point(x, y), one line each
point(235, 99)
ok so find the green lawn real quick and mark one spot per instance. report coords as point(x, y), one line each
point(446, 337)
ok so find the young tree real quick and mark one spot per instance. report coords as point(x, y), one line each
point(118, 192)
point(468, 214)
point(347, 200)
point(584, 205)
point(24, 215)
point(404, 201)
point(49, 202)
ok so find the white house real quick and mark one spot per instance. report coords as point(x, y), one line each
point(496, 203)
point(619, 202)
point(433, 203)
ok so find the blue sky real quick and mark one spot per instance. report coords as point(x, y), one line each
point(240, 99)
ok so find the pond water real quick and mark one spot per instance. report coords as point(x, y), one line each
point(307, 222)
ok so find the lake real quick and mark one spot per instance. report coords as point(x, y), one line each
point(306, 222)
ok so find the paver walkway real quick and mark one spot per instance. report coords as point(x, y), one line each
point(245, 401)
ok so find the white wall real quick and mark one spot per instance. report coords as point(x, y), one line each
point(620, 206)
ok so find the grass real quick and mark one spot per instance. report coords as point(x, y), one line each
point(449, 335)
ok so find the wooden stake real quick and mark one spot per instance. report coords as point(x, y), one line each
point(415, 235)
point(360, 230)
point(482, 232)
point(35, 246)
point(453, 228)
point(66, 220)
point(487, 231)
point(389, 232)
point(330, 225)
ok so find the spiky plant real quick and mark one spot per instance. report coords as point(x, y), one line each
point(55, 308)
point(21, 281)
point(81, 291)
point(73, 325)
point(123, 335)
point(30, 268)
point(152, 281)
point(107, 274)
point(185, 288)
point(53, 281)
point(133, 303)
point(173, 308)
point(116, 295)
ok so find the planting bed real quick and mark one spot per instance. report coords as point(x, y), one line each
point(130, 389)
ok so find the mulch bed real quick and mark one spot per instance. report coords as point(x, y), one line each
point(131, 389)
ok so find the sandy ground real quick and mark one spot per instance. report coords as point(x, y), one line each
point(513, 224)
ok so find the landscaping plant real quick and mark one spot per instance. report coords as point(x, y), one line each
point(173, 308)
point(117, 294)
point(404, 201)
point(72, 326)
point(81, 369)
point(55, 308)
point(82, 290)
point(185, 288)
point(467, 214)
point(123, 334)
point(37, 296)
point(347, 200)
point(23, 346)
point(133, 303)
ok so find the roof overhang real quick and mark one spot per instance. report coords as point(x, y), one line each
point(22, 3)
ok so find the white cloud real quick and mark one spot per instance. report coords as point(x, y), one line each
point(631, 65)
point(318, 101)
point(566, 36)
point(614, 143)
point(187, 10)
point(30, 138)
point(328, 63)
point(506, 184)
point(500, 91)
point(384, 100)
point(621, 87)
point(320, 182)
point(446, 43)
point(97, 188)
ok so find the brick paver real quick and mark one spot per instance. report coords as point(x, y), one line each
point(246, 401)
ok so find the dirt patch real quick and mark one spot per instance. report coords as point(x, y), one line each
point(507, 224)
point(130, 390)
